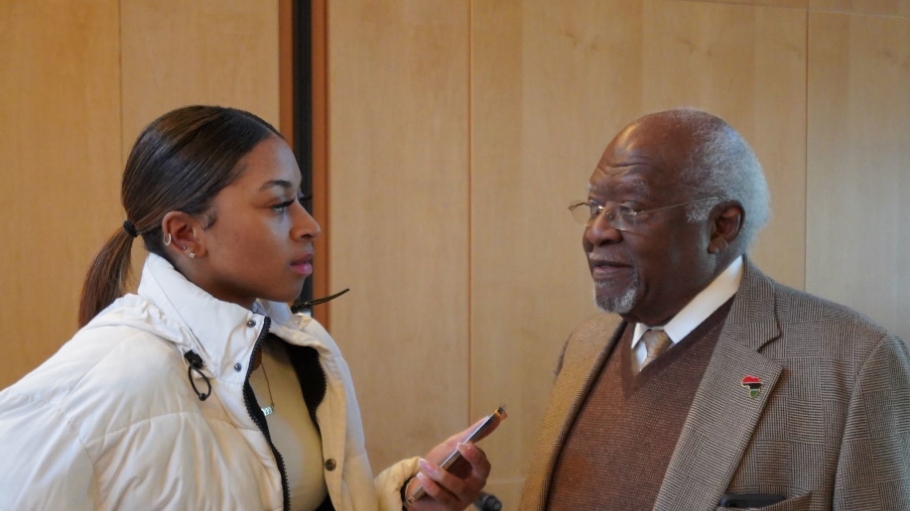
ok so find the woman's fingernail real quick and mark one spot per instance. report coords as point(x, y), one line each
point(425, 465)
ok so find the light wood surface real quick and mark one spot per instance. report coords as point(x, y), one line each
point(793, 4)
point(398, 154)
point(746, 64)
point(178, 53)
point(858, 243)
point(60, 143)
point(880, 7)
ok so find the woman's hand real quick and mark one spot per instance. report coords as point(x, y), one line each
point(458, 487)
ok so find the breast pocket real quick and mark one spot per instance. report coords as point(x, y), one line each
point(800, 503)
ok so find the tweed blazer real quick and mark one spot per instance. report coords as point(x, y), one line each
point(829, 427)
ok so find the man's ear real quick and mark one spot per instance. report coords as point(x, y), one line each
point(182, 231)
point(726, 224)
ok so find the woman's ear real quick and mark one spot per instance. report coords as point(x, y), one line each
point(726, 224)
point(181, 235)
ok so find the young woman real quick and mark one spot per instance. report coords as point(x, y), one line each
point(203, 390)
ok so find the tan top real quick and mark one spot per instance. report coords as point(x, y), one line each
point(295, 436)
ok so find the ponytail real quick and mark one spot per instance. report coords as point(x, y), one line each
point(107, 276)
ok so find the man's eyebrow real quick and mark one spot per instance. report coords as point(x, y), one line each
point(277, 182)
point(638, 185)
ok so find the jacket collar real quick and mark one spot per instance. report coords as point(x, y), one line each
point(723, 406)
point(222, 333)
point(580, 363)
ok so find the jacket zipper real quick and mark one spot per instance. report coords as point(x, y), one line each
point(252, 408)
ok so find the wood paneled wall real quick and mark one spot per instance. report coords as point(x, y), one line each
point(858, 242)
point(60, 112)
point(399, 202)
point(461, 130)
point(458, 131)
point(178, 53)
point(79, 79)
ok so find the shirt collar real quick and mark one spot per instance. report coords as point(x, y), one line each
point(721, 289)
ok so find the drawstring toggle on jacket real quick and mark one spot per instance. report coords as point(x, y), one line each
point(196, 364)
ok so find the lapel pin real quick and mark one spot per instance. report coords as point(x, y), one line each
point(753, 383)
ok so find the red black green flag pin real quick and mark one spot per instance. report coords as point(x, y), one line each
point(753, 383)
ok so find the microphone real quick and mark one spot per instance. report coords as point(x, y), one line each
point(488, 502)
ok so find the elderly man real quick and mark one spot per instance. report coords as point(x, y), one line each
point(715, 387)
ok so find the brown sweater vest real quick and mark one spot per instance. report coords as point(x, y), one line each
point(618, 448)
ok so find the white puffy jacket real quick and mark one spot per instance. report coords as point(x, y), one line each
point(112, 422)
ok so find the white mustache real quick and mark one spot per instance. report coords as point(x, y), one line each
point(601, 258)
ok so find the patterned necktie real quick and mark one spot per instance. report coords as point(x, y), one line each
point(656, 342)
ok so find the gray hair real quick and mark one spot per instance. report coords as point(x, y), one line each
point(724, 166)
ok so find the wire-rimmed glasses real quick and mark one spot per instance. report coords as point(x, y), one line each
point(620, 217)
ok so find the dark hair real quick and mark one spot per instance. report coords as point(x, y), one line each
point(179, 163)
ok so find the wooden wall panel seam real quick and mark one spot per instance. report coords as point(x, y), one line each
point(806, 152)
point(286, 57)
point(470, 209)
point(123, 153)
point(320, 147)
point(854, 8)
point(859, 13)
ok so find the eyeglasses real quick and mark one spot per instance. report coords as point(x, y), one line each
point(621, 218)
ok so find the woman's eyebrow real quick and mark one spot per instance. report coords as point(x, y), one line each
point(284, 184)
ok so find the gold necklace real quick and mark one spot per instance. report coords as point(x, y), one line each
point(270, 409)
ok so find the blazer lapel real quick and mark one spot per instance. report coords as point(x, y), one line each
point(584, 356)
point(725, 411)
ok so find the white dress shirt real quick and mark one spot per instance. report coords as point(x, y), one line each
point(694, 313)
